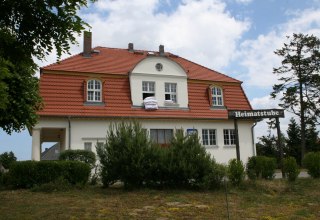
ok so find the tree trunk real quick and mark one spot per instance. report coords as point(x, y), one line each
point(302, 118)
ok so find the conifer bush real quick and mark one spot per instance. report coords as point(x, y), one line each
point(123, 158)
point(261, 166)
point(311, 162)
point(291, 168)
point(236, 172)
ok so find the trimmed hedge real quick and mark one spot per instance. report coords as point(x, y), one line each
point(311, 162)
point(85, 156)
point(26, 174)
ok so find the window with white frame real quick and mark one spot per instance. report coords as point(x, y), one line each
point(148, 89)
point(94, 90)
point(171, 92)
point(161, 136)
point(229, 136)
point(217, 96)
point(88, 146)
point(209, 137)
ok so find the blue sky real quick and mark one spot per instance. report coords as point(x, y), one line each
point(235, 37)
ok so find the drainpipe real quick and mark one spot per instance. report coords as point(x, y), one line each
point(253, 142)
point(69, 132)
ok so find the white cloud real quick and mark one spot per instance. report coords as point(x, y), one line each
point(202, 31)
point(258, 55)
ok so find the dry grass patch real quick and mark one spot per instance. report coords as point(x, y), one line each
point(260, 200)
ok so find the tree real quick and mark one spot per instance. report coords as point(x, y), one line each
point(30, 29)
point(294, 140)
point(6, 159)
point(312, 138)
point(300, 81)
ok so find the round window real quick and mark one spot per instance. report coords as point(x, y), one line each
point(159, 66)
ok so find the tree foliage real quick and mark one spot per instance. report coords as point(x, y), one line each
point(7, 159)
point(31, 28)
point(300, 80)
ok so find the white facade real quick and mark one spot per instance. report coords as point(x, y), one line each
point(171, 72)
point(95, 130)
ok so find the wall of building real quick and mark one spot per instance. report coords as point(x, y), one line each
point(95, 130)
point(146, 71)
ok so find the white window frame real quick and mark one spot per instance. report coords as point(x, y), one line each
point(147, 87)
point(96, 92)
point(217, 96)
point(229, 137)
point(171, 90)
point(209, 138)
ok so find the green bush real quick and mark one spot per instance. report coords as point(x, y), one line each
point(123, 156)
point(261, 166)
point(269, 165)
point(290, 168)
point(85, 156)
point(236, 172)
point(26, 174)
point(311, 162)
point(214, 179)
point(189, 162)
point(6, 159)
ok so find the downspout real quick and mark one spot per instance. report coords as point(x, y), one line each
point(253, 142)
point(69, 133)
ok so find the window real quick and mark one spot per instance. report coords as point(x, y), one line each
point(161, 136)
point(94, 89)
point(170, 92)
point(100, 144)
point(209, 137)
point(217, 96)
point(229, 136)
point(148, 89)
point(88, 146)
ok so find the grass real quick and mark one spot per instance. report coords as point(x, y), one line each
point(275, 199)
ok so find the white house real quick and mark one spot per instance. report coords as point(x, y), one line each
point(84, 93)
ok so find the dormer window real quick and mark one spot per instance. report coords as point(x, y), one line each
point(94, 89)
point(148, 89)
point(217, 96)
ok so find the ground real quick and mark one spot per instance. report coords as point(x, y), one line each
point(275, 199)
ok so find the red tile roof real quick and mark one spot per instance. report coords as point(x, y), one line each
point(62, 88)
point(121, 61)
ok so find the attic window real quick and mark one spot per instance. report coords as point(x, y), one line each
point(94, 90)
point(148, 89)
point(217, 96)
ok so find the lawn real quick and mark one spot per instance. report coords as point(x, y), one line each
point(261, 200)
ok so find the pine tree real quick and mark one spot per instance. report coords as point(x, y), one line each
point(293, 140)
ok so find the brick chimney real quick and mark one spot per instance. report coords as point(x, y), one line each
point(161, 50)
point(87, 43)
point(130, 47)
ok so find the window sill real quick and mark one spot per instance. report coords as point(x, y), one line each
point(229, 146)
point(94, 103)
point(218, 107)
point(171, 104)
point(211, 146)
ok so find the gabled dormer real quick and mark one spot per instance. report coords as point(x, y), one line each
point(159, 77)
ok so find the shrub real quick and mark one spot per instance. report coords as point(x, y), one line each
point(236, 172)
point(261, 166)
point(290, 168)
point(189, 162)
point(123, 156)
point(6, 159)
point(268, 167)
point(311, 162)
point(85, 156)
point(214, 179)
point(26, 174)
